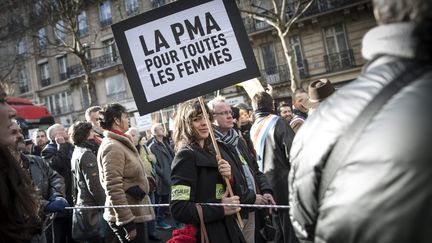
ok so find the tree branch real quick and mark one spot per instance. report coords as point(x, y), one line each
point(297, 15)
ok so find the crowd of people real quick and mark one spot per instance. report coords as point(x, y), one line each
point(353, 165)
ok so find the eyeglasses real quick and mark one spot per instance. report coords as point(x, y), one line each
point(225, 113)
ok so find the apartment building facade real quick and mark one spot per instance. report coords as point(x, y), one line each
point(326, 42)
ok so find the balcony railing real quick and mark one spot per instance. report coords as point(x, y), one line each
point(45, 82)
point(318, 6)
point(276, 74)
point(339, 61)
point(280, 74)
point(132, 11)
point(63, 76)
point(255, 26)
point(158, 3)
point(116, 96)
point(104, 61)
point(106, 22)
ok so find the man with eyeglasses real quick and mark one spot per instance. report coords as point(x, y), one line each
point(252, 179)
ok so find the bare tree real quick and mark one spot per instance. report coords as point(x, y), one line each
point(11, 29)
point(276, 14)
point(63, 17)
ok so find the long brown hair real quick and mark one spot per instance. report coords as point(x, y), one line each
point(184, 133)
point(19, 203)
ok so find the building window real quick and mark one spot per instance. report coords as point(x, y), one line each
point(23, 82)
point(115, 88)
point(338, 56)
point(60, 103)
point(59, 31)
point(298, 54)
point(82, 24)
point(105, 13)
point(62, 65)
point(261, 24)
point(21, 48)
point(42, 42)
point(270, 71)
point(85, 96)
point(110, 53)
point(132, 7)
point(88, 55)
point(158, 3)
point(325, 5)
point(44, 74)
point(335, 39)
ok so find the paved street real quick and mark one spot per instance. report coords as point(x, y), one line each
point(165, 234)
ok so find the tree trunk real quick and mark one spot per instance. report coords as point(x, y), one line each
point(294, 77)
point(89, 81)
point(92, 90)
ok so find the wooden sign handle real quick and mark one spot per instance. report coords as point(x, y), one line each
point(213, 138)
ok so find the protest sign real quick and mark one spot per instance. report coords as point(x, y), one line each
point(183, 50)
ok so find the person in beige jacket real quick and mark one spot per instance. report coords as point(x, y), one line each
point(123, 177)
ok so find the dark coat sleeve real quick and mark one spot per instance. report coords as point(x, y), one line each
point(59, 159)
point(56, 185)
point(260, 179)
point(185, 172)
point(284, 136)
point(240, 187)
point(90, 172)
point(159, 171)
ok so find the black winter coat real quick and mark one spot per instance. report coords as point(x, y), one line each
point(59, 160)
point(383, 190)
point(196, 178)
point(47, 180)
point(276, 157)
point(164, 156)
point(86, 173)
point(262, 183)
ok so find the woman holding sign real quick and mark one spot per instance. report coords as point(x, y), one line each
point(197, 177)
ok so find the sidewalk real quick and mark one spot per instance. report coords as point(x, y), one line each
point(165, 234)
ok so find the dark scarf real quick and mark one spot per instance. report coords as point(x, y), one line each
point(90, 144)
point(300, 114)
point(232, 137)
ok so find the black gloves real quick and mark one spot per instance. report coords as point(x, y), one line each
point(136, 192)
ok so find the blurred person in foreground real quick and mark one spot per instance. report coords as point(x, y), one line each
point(123, 177)
point(198, 177)
point(50, 184)
point(381, 192)
point(19, 202)
point(149, 162)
